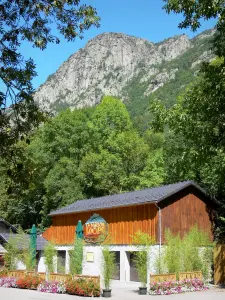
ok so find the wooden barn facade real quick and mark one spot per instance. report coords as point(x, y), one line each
point(177, 207)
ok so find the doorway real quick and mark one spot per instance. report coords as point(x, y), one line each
point(61, 261)
point(133, 271)
point(116, 275)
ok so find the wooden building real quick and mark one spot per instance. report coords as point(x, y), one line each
point(177, 207)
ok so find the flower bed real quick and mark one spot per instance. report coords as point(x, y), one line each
point(176, 287)
point(83, 287)
point(8, 282)
point(79, 286)
point(52, 287)
point(28, 282)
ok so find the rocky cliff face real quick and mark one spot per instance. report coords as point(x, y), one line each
point(108, 65)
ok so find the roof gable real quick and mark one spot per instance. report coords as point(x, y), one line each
point(153, 195)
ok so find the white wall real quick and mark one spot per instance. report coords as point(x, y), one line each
point(94, 268)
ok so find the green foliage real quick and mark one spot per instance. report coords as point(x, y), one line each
point(31, 22)
point(50, 253)
point(108, 265)
point(193, 252)
point(18, 250)
point(194, 149)
point(198, 115)
point(172, 254)
point(24, 250)
point(137, 102)
point(12, 253)
point(80, 154)
point(142, 255)
point(153, 173)
point(76, 257)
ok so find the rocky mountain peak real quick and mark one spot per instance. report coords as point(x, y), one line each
point(106, 65)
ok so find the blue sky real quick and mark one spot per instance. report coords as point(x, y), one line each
point(143, 18)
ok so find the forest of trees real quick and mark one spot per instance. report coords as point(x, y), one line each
point(79, 154)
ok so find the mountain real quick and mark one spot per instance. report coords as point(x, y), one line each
point(131, 68)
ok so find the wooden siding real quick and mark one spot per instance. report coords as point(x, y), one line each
point(183, 211)
point(123, 223)
point(180, 212)
point(219, 264)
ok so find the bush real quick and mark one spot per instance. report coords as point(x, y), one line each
point(108, 265)
point(83, 287)
point(76, 257)
point(54, 287)
point(141, 257)
point(193, 252)
point(29, 282)
point(172, 255)
point(49, 253)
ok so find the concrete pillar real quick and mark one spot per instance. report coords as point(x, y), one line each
point(127, 266)
point(122, 265)
point(67, 266)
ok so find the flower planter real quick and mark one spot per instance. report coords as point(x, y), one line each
point(106, 293)
point(142, 290)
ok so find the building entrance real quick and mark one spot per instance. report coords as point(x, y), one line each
point(116, 275)
point(133, 271)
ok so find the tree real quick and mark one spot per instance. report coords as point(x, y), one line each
point(31, 21)
point(101, 173)
point(153, 174)
point(196, 150)
point(80, 154)
point(194, 11)
point(109, 118)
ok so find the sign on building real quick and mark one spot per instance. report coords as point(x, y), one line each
point(95, 229)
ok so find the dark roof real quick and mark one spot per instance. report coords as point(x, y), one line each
point(41, 242)
point(2, 250)
point(156, 195)
point(7, 224)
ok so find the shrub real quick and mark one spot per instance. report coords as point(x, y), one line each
point(172, 253)
point(49, 254)
point(76, 257)
point(11, 256)
point(83, 287)
point(141, 257)
point(29, 282)
point(54, 287)
point(108, 265)
point(193, 252)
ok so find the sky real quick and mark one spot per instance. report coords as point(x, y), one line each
point(143, 18)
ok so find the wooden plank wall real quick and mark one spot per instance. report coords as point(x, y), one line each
point(219, 264)
point(179, 216)
point(123, 223)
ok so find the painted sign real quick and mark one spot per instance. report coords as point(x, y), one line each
point(95, 229)
point(90, 257)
